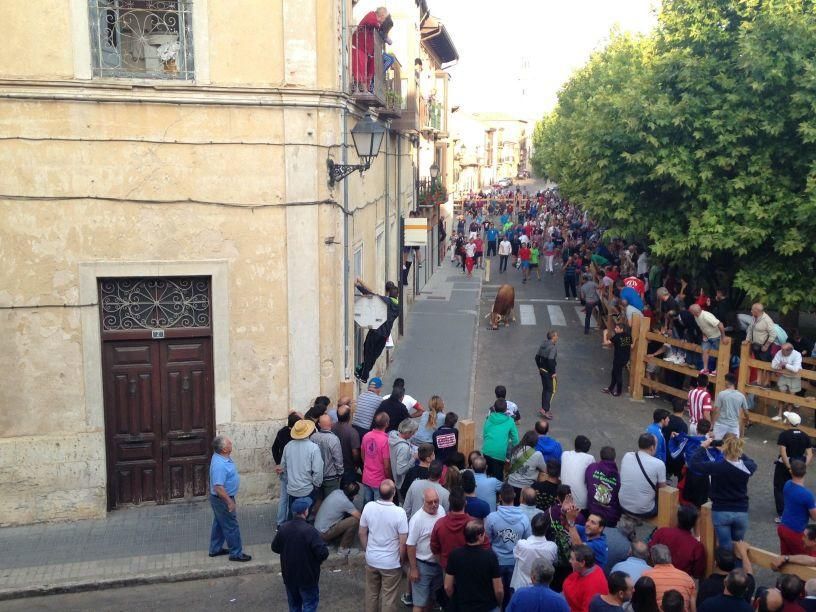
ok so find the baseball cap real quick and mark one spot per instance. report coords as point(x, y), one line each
point(375, 382)
point(792, 418)
point(301, 505)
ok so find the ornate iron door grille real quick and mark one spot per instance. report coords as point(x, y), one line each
point(148, 304)
point(150, 39)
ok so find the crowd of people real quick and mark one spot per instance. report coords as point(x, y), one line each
point(523, 523)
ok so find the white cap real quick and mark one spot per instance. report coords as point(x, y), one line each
point(792, 418)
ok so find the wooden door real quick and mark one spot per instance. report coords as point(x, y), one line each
point(159, 419)
point(187, 423)
point(133, 422)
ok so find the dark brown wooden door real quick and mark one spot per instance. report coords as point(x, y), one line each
point(159, 419)
point(133, 422)
point(186, 382)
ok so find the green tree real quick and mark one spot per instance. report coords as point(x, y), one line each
point(701, 139)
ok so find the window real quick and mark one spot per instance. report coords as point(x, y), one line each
point(142, 38)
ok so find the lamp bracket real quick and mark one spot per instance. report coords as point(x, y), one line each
point(337, 172)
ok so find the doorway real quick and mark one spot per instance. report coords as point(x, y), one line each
point(157, 367)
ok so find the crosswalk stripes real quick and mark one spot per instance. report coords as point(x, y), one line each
point(580, 312)
point(556, 315)
point(527, 314)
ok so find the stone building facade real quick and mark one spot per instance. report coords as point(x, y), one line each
point(176, 263)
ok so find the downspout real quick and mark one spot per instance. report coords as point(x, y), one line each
point(346, 230)
point(400, 284)
point(387, 202)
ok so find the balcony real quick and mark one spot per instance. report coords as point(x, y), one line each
point(431, 193)
point(366, 78)
point(433, 118)
point(394, 102)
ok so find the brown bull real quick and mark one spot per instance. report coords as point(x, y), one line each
point(503, 307)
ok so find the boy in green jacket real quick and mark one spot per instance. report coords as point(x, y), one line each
point(498, 433)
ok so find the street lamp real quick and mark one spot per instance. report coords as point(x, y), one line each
point(434, 170)
point(367, 136)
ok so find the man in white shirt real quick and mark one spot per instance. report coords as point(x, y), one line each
point(573, 470)
point(415, 409)
point(383, 534)
point(641, 475)
point(712, 330)
point(425, 572)
point(527, 551)
point(505, 249)
point(788, 362)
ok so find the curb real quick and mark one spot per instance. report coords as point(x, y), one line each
point(166, 577)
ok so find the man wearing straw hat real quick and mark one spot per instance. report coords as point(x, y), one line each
point(303, 464)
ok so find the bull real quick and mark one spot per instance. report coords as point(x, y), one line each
point(503, 307)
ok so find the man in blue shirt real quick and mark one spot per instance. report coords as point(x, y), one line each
point(591, 533)
point(660, 418)
point(486, 486)
point(550, 448)
point(539, 597)
point(224, 482)
point(492, 237)
point(800, 509)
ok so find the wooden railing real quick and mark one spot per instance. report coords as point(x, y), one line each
point(668, 501)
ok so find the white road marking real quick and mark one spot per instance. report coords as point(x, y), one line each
point(527, 314)
point(581, 314)
point(556, 316)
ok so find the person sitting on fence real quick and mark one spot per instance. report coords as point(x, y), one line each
point(712, 330)
point(788, 362)
point(641, 476)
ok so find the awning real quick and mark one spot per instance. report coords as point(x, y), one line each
point(435, 38)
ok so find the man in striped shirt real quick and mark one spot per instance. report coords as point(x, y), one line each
point(699, 403)
point(367, 404)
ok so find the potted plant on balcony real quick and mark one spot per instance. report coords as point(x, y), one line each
point(433, 195)
point(393, 100)
point(168, 52)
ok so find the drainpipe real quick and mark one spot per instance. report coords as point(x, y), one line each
point(400, 241)
point(387, 202)
point(346, 222)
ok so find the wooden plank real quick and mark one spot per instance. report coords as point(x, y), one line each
point(766, 420)
point(680, 344)
point(668, 365)
point(744, 369)
point(766, 365)
point(705, 529)
point(667, 500)
point(636, 339)
point(779, 396)
point(763, 558)
point(723, 363)
point(467, 436)
point(659, 386)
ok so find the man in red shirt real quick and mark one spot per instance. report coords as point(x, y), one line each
point(376, 458)
point(585, 581)
point(449, 532)
point(524, 256)
point(699, 403)
point(688, 554)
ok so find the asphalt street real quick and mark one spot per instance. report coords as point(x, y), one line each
point(341, 591)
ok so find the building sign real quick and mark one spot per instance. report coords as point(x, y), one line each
point(416, 231)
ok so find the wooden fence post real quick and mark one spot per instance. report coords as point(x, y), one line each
point(668, 499)
point(705, 529)
point(639, 371)
point(723, 363)
point(467, 436)
point(744, 369)
point(635, 333)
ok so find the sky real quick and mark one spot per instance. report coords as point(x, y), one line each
point(507, 47)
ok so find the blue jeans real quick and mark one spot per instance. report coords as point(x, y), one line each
point(224, 527)
point(370, 493)
point(729, 527)
point(506, 573)
point(303, 600)
point(283, 502)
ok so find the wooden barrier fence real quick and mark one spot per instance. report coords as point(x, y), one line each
point(668, 501)
point(759, 414)
point(641, 359)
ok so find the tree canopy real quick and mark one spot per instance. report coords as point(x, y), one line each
point(700, 140)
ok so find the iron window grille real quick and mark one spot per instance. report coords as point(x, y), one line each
point(155, 303)
point(147, 39)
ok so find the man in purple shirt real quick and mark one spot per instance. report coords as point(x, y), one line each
point(603, 484)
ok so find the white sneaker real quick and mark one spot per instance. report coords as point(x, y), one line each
point(776, 418)
point(680, 360)
point(343, 552)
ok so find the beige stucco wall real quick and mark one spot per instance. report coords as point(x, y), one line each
point(98, 175)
